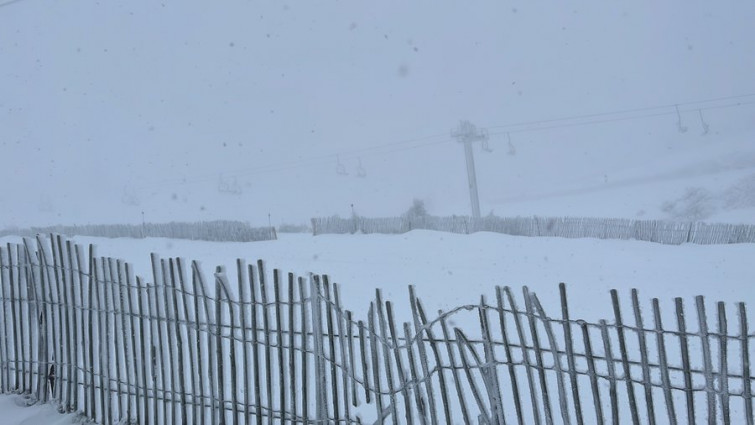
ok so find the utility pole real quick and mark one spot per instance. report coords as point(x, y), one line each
point(467, 133)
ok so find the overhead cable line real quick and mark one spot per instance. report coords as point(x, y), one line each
point(528, 126)
point(630, 111)
point(616, 119)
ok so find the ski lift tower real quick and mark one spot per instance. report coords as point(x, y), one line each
point(467, 133)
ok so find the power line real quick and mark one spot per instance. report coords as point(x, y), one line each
point(627, 118)
point(628, 111)
point(530, 126)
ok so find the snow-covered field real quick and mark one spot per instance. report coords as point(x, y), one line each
point(451, 269)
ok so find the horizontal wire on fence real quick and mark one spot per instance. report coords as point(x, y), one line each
point(396, 390)
point(412, 339)
point(545, 367)
point(209, 329)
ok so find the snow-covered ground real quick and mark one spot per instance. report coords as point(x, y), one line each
point(450, 270)
point(15, 411)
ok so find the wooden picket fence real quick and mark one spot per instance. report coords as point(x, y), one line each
point(83, 332)
point(215, 230)
point(660, 231)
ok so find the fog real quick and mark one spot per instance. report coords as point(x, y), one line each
point(188, 110)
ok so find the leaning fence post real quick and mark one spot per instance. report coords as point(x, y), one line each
point(159, 342)
point(424, 362)
point(386, 354)
point(525, 356)
point(104, 354)
point(92, 282)
point(70, 301)
point(304, 353)
point(41, 318)
point(745, 354)
point(168, 316)
point(29, 299)
point(206, 304)
point(625, 357)
point(60, 351)
point(399, 364)
point(570, 353)
point(4, 354)
point(643, 357)
point(438, 362)
point(126, 341)
point(332, 350)
point(494, 389)
point(144, 352)
point(179, 354)
point(592, 373)
point(608, 353)
point(292, 346)
point(414, 377)
point(282, 402)
point(483, 416)
point(707, 361)
point(184, 302)
point(218, 325)
point(375, 365)
point(76, 283)
point(321, 394)
point(243, 317)
point(538, 355)
point(723, 370)
point(453, 366)
point(663, 363)
point(682, 328)
point(112, 308)
point(225, 295)
point(84, 342)
point(346, 366)
point(350, 337)
point(507, 351)
point(255, 348)
point(364, 360)
point(562, 399)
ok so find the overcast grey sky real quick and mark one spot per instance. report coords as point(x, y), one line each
point(103, 100)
